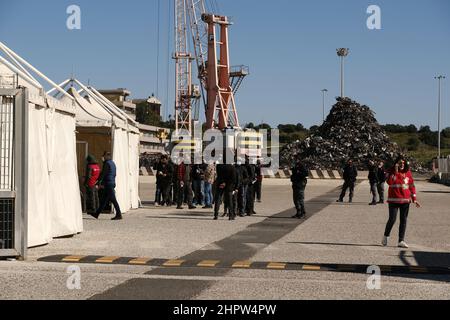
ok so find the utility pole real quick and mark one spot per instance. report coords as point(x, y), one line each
point(439, 78)
point(324, 91)
point(342, 53)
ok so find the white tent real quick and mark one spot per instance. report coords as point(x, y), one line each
point(54, 204)
point(95, 116)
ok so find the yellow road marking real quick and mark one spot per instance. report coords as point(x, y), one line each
point(276, 265)
point(242, 264)
point(139, 261)
point(73, 258)
point(173, 263)
point(107, 259)
point(208, 263)
point(311, 268)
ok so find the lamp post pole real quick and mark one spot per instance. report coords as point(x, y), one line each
point(439, 78)
point(342, 53)
point(324, 91)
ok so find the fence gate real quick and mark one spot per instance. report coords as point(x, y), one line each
point(13, 172)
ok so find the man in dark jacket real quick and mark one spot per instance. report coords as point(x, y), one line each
point(107, 182)
point(350, 175)
point(381, 174)
point(250, 200)
point(164, 173)
point(226, 187)
point(299, 181)
point(184, 181)
point(241, 187)
point(373, 181)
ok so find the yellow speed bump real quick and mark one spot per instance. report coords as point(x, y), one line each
point(173, 263)
point(106, 259)
point(208, 263)
point(242, 264)
point(139, 261)
point(276, 265)
point(72, 258)
point(310, 267)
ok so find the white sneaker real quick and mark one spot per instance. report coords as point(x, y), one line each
point(403, 245)
point(385, 241)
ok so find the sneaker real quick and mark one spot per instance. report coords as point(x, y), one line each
point(385, 241)
point(403, 245)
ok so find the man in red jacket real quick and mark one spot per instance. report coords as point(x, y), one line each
point(90, 184)
point(402, 192)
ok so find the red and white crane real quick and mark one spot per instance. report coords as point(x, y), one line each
point(218, 81)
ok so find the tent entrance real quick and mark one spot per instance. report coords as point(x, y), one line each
point(91, 141)
point(13, 172)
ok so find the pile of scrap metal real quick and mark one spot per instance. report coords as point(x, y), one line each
point(349, 132)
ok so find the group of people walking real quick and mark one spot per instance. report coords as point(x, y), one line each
point(237, 186)
point(401, 193)
point(101, 181)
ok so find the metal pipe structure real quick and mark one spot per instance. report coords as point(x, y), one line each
point(439, 78)
point(36, 71)
point(342, 53)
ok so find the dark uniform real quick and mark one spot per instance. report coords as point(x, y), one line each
point(165, 175)
point(350, 175)
point(373, 180)
point(184, 182)
point(381, 174)
point(226, 186)
point(250, 200)
point(299, 181)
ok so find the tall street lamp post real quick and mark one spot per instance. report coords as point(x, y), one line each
point(439, 78)
point(342, 53)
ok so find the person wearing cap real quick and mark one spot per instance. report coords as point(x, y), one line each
point(90, 184)
point(350, 176)
point(402, 192)
point(107, 182)
point(299, 179)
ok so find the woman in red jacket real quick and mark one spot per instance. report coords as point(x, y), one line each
point(402, 192)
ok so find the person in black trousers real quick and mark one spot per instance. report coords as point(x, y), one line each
point(250, 201)
point(350, 175)
point(107, 182)
point(165, 175)
point(373, 181)
point(381, 174)
point(226, 188)
point(299, 181)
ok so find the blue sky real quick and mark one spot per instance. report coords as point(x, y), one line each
point(288, 44)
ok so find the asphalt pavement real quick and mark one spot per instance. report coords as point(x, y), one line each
point(249, 258)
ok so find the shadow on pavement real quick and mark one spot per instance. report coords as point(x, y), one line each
point(338, 244)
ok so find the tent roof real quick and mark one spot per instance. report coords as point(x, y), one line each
point(94, 110)
point(16, 71)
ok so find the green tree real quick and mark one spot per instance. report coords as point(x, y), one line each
point(147, 116)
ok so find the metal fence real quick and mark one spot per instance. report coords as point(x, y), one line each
point(443, 165)
point(13, 172)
